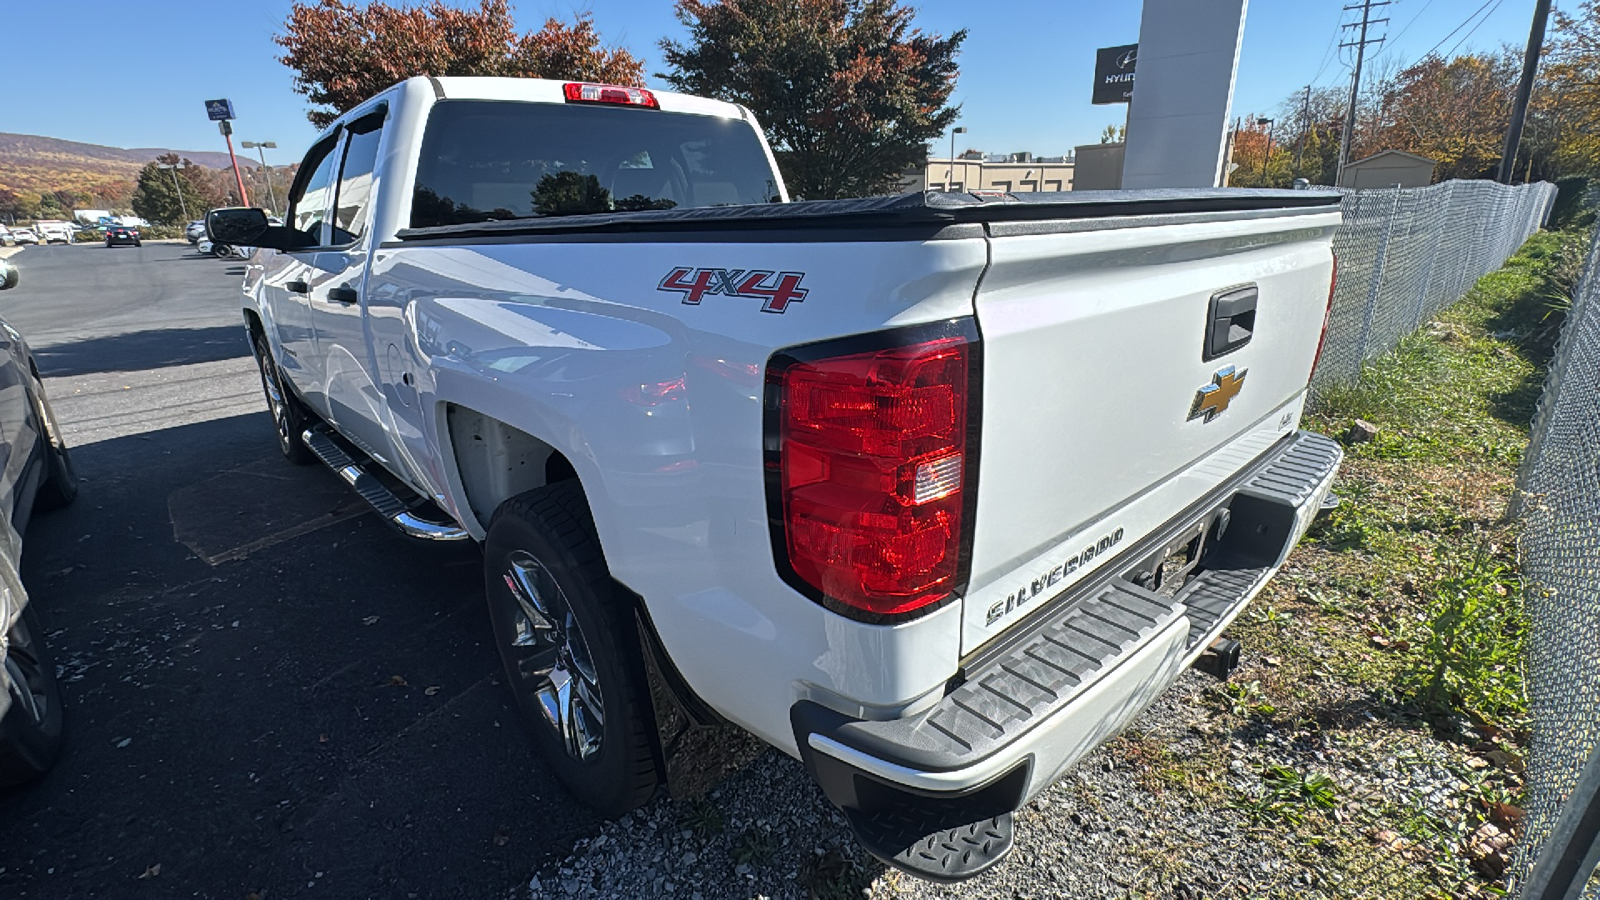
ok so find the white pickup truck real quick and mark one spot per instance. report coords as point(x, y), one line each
point(932, 492)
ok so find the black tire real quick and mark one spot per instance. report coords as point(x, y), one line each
point(138, 244)
point(289, 417)
point(60, 485)
point(108, 245)
point(553, 528)
point(30, 733)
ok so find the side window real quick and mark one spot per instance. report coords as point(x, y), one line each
point(355, 182)
point(308, 205)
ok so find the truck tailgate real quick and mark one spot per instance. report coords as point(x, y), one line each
point(1095, 427)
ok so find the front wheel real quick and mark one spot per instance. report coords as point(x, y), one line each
point(60, 486)
point(289, 418)
point(32, 725)
point(569, 649)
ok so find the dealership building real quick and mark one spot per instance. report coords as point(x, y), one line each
point(974, 171)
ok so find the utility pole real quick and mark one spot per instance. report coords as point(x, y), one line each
point(1355, 80)
point(1305, 125)
point(1519, 108)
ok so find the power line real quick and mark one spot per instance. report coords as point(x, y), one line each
point(1328, 54)
point(1404, 30)
point(1486, 18)
point(1457, 28)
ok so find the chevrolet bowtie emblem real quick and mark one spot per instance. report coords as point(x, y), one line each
point(1214, 398)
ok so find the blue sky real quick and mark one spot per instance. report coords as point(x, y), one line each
point(135, 74)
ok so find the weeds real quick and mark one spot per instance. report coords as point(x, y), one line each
point(704, 819)
point(1245, 699)
point(755, 848)
point(1468, 655)
point(1287, 795)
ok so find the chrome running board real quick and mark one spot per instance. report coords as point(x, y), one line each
point(383, 500)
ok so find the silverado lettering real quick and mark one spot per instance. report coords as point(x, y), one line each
point(1017, 599)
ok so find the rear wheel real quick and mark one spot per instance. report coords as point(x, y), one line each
point(568, 646)
point(289, 417)
point(30, 733)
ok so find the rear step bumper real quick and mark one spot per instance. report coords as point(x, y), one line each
point(383, 500)
point(933, 793)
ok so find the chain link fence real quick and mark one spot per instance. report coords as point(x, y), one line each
point(1559, 502)
point(1406, 253)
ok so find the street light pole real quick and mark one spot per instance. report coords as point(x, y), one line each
point(950, 174)
point(1268, 158)
point(265, 172)
point(173, 168)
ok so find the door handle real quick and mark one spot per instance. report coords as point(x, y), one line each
point(297, 287)
point(345, 295)
point(1231, 322)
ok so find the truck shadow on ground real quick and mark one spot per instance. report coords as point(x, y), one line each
point(318, 714)
point(269, 691)
point(140, 350)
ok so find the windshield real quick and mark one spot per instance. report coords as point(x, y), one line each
point(491, 160)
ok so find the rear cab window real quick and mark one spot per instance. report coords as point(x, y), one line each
point(495, 160)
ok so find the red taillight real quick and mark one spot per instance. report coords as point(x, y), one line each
point(870, 465)
point(1327, 317)
point(579, 92)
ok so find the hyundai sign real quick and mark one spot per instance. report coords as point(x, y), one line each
point(222, 110)
point(1113, 73)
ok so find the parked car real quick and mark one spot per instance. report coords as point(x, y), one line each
point(195, 231)
point(930, 492)
point(54, 232)
point(30, 702)
point(122, 234)
point(6, 240)
point(24, 236)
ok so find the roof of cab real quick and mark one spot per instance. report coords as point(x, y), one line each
point(544, 90)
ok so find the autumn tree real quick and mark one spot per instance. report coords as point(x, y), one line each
point(157, 198)
point(15, 205)
point(1570, 106)
point(1454, 112)
point(343, 52)
point(849, 92)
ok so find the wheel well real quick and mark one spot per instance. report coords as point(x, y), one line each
point(252, 323)
point(497, 461)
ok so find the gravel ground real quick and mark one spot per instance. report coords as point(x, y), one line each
point(1164, 810)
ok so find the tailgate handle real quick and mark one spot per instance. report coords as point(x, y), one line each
point(1232, 321)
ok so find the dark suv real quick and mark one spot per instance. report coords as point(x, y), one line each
point(122, 234)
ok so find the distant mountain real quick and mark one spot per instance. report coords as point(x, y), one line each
point(98, 176)
point(33, 150)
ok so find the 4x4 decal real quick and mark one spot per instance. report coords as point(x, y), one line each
point(776, 290)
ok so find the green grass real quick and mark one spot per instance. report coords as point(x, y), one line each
point(1400, 623)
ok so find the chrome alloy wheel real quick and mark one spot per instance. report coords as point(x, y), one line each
point(553, 661)
point(275, 402)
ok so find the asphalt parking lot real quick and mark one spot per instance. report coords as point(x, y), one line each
point(267, 691)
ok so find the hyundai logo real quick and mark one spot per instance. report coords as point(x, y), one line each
point(1126, 60)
